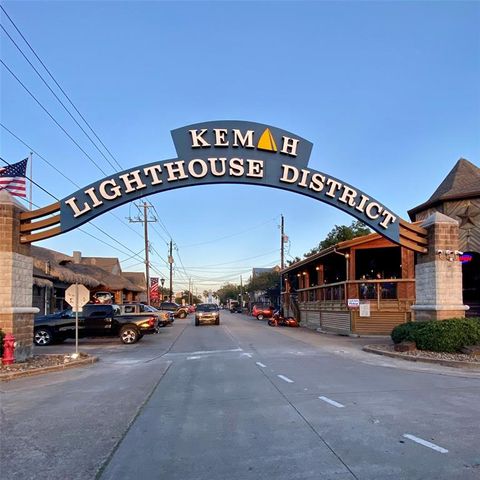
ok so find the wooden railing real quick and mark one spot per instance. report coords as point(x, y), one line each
point(382, 290)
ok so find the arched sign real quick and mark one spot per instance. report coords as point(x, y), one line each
point(223, 152)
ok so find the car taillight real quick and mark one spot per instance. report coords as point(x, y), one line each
point(151, 322)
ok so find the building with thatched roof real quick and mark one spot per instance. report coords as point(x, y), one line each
point(54, 272)
point(138, 279)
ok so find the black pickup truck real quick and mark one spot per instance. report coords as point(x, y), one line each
point(94, 320)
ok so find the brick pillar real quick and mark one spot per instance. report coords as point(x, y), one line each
point(438, 273)
point(16, 279)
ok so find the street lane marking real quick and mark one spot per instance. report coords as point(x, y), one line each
point(286, 379)
point(206, 352)
point(425, 443)
point(249, 355)
point(260, 364)
point(332, 402)
point(193, 358)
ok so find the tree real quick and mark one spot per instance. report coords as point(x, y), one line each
point(229, 290)
point(186, 296)
point(340, 233)
point(292, 261)
point(263, 281)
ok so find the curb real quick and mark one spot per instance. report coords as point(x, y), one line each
point(445, 363)
point(5, 377)
point(351, 335)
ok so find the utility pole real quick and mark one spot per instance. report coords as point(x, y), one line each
point(170, 261)
point(241, 293)
point(282, 256)
point(145, 222)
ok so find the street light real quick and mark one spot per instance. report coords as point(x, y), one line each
point(162, 281)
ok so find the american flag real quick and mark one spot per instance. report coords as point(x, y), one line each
point(154, 288)
point(12, 178)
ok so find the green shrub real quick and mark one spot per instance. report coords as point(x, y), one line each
point(405, 332)
point(440, 336)
point(2, 334)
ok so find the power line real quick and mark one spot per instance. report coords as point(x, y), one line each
point(161, 223)
point(91, 223)
point(52, 117)
point(35, 183)
point(62, 174)
point(40, 156)
point(58, 85)
point(229, 236)
point(236, 261)
point(132, 256)
point(56, 96)
point(66, 109)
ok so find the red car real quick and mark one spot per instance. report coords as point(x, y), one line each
point(262, 312)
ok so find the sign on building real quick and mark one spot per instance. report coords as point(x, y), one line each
point(353, 303)
point(365, 309)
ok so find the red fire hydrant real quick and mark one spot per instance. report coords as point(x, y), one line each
point(8, 349)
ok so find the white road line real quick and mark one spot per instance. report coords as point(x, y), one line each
point(425, 443)
point(249, 355)
point(332, 402)
point(260, 364)
point(205, 352)
point(193, 358)
point(286, 379)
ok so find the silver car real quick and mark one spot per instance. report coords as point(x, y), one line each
point(207, 312)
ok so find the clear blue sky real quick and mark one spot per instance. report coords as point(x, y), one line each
point(388, 92)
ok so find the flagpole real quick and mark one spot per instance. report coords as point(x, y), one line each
point(30, 157)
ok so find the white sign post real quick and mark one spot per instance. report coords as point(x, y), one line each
point(77, 296)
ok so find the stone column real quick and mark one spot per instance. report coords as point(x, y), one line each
point(16, 279)
point(438, 273)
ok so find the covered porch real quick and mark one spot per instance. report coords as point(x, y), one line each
point(376, 275)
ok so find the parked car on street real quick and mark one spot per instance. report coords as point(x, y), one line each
point(94, 320)
point(178, 310)
point(207, 312)
point(234, 306)
point(262, 312)
point(164, 318)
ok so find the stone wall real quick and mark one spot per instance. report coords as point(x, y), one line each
point(16, 279)
point(438, 273)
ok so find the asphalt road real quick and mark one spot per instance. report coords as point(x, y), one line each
point(241, 401)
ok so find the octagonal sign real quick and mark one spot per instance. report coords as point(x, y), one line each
point(77, 296)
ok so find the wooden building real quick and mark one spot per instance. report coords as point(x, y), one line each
point(370, 269)
point(112, 279)
point(380, 274)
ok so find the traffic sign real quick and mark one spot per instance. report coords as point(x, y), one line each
point(77, 296)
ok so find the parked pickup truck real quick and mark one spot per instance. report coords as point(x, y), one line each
point(164, 318)
point(94, 320)
point(178, 310)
